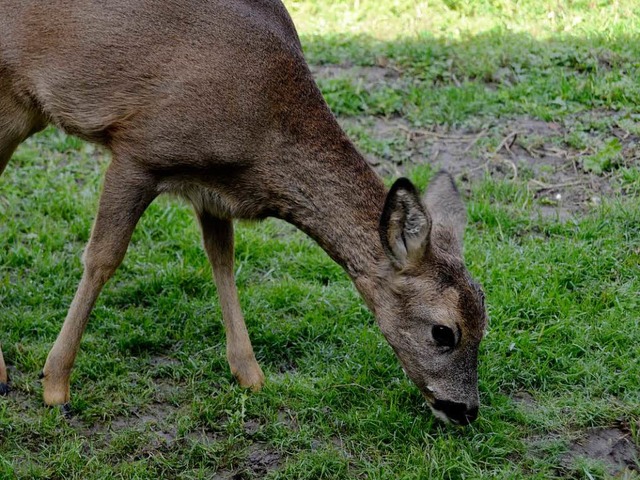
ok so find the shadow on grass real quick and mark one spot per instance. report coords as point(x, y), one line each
point(495, 73)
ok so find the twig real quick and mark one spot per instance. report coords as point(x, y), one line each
point(506, 141)
point(513, 167)
point(559, 152)
point(575, 165)
point(493, 158)
point(508, 149)
point(539, 153)
point(474, 141)
point(530, 151)
point(484, 165)
point(549, 186)
point(429, 133)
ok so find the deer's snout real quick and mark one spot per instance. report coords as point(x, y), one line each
point(459, 413)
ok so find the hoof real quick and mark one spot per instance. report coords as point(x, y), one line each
point(253, 381)
point(56, 393)
point(4, 389)
point(65, 410)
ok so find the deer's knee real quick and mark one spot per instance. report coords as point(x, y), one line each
point(100, 265)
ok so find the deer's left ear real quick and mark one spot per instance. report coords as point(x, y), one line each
point(404, 225)
point(448, 213)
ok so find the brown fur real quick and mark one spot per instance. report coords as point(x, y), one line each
point(213, 101)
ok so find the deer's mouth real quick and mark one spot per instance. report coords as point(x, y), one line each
point(427, 393)
point(448, 411)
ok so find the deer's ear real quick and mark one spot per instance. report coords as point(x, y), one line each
point(405, 225)
point(447, 212)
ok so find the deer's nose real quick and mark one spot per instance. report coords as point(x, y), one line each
point(457, 412)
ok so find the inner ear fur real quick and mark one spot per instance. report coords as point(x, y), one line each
point(405, 224)
point(448, 213)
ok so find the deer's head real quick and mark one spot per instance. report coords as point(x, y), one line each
point(433, 314)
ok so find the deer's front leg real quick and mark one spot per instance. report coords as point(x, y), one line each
point(218, 243)
point(126, 195)
point(15, 126)
point(4, 380)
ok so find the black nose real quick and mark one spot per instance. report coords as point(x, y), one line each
point(457, 412)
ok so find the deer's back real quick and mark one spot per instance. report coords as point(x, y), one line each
point(213, 77)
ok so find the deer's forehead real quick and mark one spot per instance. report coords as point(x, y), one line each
point(459, 305)
point(443, 308)
point(429, 300)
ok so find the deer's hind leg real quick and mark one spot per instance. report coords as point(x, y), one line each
point(16, 124)
point(7, 146)
point(126, 194)
point(218, 242)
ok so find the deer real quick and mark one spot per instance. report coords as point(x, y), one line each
point(213, 101)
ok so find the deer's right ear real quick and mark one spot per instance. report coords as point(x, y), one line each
point(405, 225)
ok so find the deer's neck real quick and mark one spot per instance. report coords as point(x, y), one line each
point(336, 198)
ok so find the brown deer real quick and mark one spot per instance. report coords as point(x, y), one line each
point(213, 101)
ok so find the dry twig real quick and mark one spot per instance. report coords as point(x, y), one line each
point(474, 141)
point(552, 186)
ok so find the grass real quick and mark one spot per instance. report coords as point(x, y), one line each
point(480, 59)
point(152, 394)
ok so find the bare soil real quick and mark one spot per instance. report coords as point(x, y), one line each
point(613, 447)
point(525, 400)
point(262, 459)
point(528, 149)
point(518, 149)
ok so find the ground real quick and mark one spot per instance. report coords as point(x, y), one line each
point(533, 106)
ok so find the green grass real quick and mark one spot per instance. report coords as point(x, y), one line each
point(478, 59)
point(152, 394)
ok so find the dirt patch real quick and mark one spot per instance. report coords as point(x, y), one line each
point(525, 400)
point(155, 414)
point(549, 157)
point(614, 447)
point(24, 393)
point(158, 413)
point(157, 419)
point(160, 361)
point(289, 419)
point(167, 391)
point(251, 427)
point(204, 437)
point(19, 401)
point(262, 459)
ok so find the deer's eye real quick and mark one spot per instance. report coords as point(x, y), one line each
point(443, 336)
